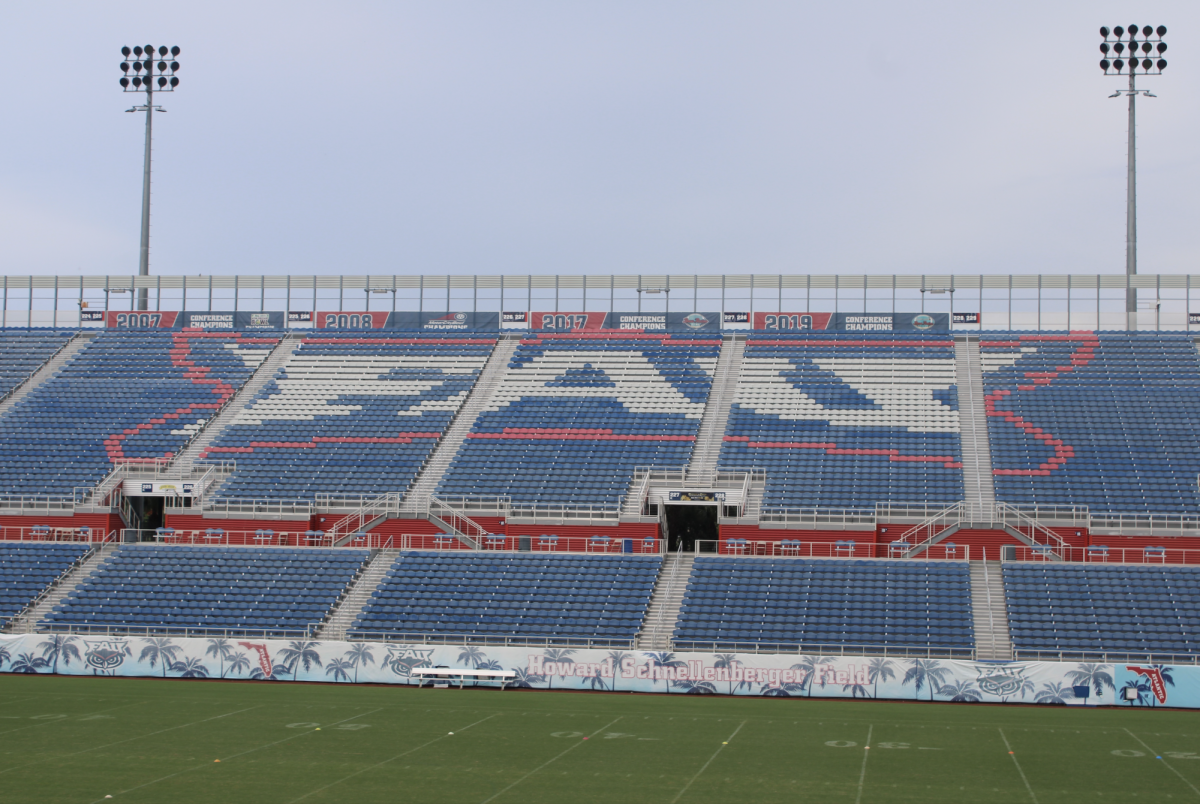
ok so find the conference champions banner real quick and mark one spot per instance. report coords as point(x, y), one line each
point(852, 322)
point(231, 321)
point(643, 322)
point(776, 675)
point(408, 321)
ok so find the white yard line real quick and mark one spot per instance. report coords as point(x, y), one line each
point(233, 756)
point(386, 761)
point(547, 762)
point(1012, 754)
point(1168, 764)
point(57, 757)
point(862, 776)
point(704, 767)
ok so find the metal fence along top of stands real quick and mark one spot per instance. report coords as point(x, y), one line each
point(1016, 301)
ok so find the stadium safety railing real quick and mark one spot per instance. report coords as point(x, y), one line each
point(1102, 554)
point(177, 631)
point(1104, 657)
point(53, 533)
point(495, 640)
point(818, 518)
point(1147, 524)
point(799, 548)
point(533, 543)
point(825, 649)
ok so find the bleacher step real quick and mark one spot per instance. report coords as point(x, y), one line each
point(358, 595)
point(665, 601)
point(265, 372)
point(62, 586)
point(439, 460)
point(990, 613)
point(973, 428)
point(716, 412)
point(47, 370)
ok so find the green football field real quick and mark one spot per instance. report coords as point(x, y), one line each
point(85, 739)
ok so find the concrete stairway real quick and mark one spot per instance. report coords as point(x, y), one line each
point(716, 413)
point(992, 640)
point(26, 622)
point(663, 612)
point(357, 596)
point(216, 425)
point(980, 493)
point(481, 394)
point(48, 370)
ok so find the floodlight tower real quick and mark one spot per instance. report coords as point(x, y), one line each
point(147, 72)
point(1130, 53)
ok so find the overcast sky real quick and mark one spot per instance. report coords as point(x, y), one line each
point(603, 137)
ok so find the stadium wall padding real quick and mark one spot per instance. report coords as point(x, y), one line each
point(775, 675)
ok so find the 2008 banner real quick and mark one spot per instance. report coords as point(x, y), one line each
point(775, 675)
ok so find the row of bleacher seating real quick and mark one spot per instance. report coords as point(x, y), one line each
point(27, 570)
point(1113, 609)
point(349, 415)
point(600, 599)
point(574, 417)
point(1074, 610)
point(786, 604)
point(124, 395)
point(22, 352)
point(1108, 420)
point(847, 420)
point(268, 590)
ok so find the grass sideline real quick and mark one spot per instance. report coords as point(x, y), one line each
point(79, 740)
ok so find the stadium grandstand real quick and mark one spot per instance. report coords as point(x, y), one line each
point(980, 467)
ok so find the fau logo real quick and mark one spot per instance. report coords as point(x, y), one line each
point(1154, 676)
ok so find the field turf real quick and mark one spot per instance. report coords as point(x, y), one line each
point(82, 739)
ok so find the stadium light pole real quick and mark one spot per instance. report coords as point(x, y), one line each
point(149, 68)
point(1130, 53)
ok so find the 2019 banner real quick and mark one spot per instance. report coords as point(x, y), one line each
point(853, 322)
point(773, 675)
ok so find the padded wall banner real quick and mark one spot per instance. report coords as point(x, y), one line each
point(409, 321)
point(648, 322)
point(240, 320)
point(777, 675)
point(853, 322)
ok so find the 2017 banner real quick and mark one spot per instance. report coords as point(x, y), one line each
point(644, 322)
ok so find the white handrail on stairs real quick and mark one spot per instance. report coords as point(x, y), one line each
point(932, 527)
point(667, 592)
point(383, 505)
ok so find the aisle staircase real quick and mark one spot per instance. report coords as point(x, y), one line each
point(992, 640)
point(980, 492)
point(716, 412)
point(26, 622)
point(262, 375)
point(665, 600)
point(47, 370)
point(357, 596)
point(438, 462)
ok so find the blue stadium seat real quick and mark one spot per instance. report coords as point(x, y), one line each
point(1082, 610)
point(818, 604)
point(521, 596)
point(215, 589)
point(847, 420)
point(27, 569)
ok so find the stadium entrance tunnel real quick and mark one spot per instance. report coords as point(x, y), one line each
point(687, 524)
point(147, 512)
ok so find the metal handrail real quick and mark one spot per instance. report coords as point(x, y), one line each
point(416, 638)
point(825, 649)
